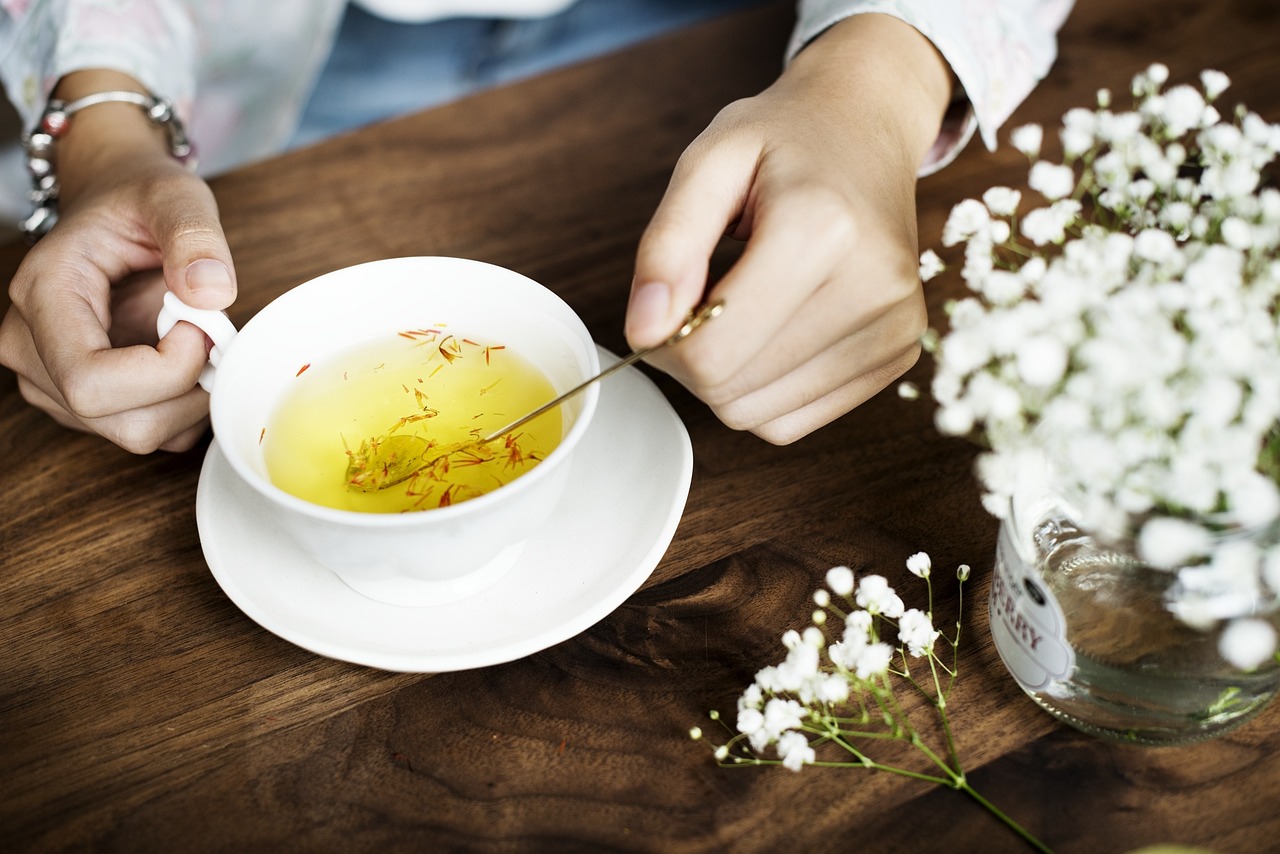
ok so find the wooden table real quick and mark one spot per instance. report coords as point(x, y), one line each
point(140, 710)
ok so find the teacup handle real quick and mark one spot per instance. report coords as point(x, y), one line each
point(215, 324)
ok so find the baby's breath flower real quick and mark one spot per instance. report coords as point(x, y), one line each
point(1002, 201)
point(916, 632)
point(875, 595)
point(1153, 244)
point(1041, 362)
point(966, 220)
point(919, 564)
point(1183, 109)
point(1237, 233)
point(794, 750)
point(1214, 83)
point(781, 715)
point(840, 580)
point(930, 265)
point(1247, 643)
point(857, 625)
point(1123, 331)
point(873, 660)
point(1052, 181)
point(851, 702)
point(1028, 139)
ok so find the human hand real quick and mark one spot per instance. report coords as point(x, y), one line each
point(817, 174)
point(81, 332)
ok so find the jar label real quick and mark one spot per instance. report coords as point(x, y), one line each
point(1028, 626)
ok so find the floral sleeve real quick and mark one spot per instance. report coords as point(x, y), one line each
point(153, 41)
point(998, 49)
point(252, 63)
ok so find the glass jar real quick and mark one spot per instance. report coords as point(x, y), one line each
point(1086, 630)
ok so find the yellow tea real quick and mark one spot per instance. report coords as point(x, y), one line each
point(393, 425)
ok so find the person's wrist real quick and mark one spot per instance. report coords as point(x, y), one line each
point(99, 125)
point(878, 58)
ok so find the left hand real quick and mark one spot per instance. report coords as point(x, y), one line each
point(824, 308)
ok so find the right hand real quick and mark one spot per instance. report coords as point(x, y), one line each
point(81, 333)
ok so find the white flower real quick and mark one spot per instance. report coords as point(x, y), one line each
point(794, 750)
point(875, 595)
point(1151, 79)
point(800, 666)
point(857, 625)
point(781, 715)
point(873, 660)
point(966, 219)
point(1119, 128)
point(1028, 139)
point(1002, 287)
point(1214, 82)
point(1002, 201)
point(1130, 335)
point(930, 265)
point(916, 631)
point(1049, 225)
point(751, 724)
point(840, 580)
point(1053, 181)
point(1254, 497)
point(1237, 233)
point(919, 564)
point(1247, 643)
point(1000, 231)
point(1041, 361)
point(1155, 245)
point(832, 689)
point(954, 420)
point(1183, 110)
point(1078, 126)
point(845, 653)
point(752, 698)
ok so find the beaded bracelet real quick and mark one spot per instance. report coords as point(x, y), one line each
point(54, 123)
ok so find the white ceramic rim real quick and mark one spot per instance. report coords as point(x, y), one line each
point(354, 518)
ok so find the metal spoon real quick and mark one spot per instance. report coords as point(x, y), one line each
point(400, 456)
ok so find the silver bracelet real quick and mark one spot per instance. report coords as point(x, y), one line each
point(54, 123)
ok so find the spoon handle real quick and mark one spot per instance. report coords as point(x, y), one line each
point(695, 319)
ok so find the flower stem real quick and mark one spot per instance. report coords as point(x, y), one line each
point(963, 785)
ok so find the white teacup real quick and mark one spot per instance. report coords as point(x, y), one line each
point(423, 557)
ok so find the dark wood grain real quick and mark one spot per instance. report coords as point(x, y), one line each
point(141, 711)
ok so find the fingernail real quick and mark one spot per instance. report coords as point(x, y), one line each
point(649, 310)
point(208, 276)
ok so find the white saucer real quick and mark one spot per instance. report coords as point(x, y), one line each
point(625, 496)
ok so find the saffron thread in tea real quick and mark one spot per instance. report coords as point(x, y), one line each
point(393, 426)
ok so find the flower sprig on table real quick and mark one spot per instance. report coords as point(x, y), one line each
point(838, 689)
point(1127, 332)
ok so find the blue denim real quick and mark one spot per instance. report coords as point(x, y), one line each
point(380, 69)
